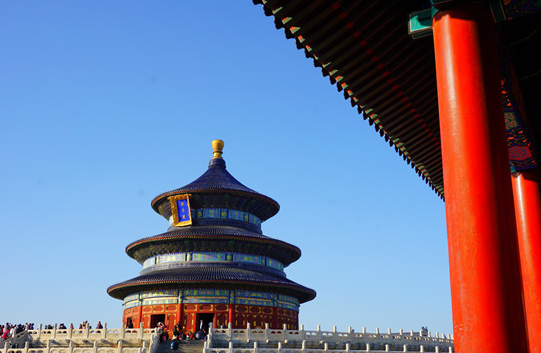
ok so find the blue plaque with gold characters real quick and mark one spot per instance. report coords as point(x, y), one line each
point(180, 209)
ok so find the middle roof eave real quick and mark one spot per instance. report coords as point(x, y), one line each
point(278, 249)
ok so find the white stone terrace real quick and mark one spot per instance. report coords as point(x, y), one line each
point(228, 340)
point(87, 340)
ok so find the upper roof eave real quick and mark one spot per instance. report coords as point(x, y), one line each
point(217, 180)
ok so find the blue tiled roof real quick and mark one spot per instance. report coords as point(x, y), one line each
point(218, 180)
point(197, 276)
point(216, 189)
point(280, 250)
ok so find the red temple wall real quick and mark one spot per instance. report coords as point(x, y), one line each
point(240, 315)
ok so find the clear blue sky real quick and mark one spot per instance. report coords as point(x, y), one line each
point(106, 104)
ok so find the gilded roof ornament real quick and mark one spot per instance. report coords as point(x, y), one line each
point(217, 146)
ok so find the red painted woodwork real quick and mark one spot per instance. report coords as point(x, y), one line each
point(527, 193)
point(486, 287)
point(179, 313)
point(238, 315)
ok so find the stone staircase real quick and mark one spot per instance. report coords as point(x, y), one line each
point(185, 346)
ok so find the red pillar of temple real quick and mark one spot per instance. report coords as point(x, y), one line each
point(230, 315)
point(527, 193)
point(486, 288)
point(139, 315)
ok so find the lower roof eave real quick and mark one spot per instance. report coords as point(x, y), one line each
point(121, 290)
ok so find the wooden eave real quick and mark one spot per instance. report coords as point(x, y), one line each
point(364, 48)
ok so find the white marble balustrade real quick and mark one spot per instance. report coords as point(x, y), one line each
point(123, 340)
point(266, 340)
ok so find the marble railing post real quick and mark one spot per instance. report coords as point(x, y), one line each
point(25, 332)
point(141, 331)
point(119, 348)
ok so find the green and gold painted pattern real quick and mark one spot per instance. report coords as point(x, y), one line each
point(225, 213)
point(213, 256)
point(211, 296)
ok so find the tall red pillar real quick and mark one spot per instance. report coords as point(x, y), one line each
point(527, 193)
point(139, 314)
point(230, 315)
point(486, 287)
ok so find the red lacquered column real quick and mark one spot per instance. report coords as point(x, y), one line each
point(178, 312)
point(140, 314)
point(231, 315)
point(486, 285)
point(527, 192)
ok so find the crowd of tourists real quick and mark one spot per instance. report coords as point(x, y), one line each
point(82, 326)
point(10, 330)
point(86, 325)
point(179, 333)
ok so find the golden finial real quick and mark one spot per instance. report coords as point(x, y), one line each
point(217, 146)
